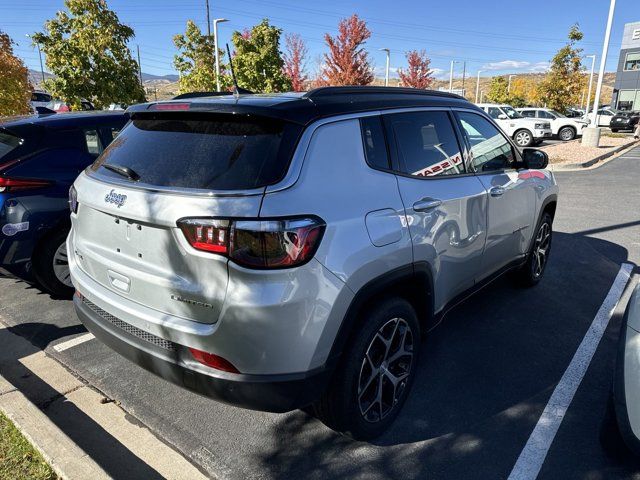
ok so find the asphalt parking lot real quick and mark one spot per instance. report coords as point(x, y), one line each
point(485, 376)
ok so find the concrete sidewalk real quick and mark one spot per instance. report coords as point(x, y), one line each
point(79, 432)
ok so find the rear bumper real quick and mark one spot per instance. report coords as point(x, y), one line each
point(172, 362)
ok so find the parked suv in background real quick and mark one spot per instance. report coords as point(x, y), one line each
point(278, 251)
point(40, 157)
point(524, 131)
point(563, 127)
point(624, 121)
point(40, 99)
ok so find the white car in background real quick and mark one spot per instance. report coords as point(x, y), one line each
point(524, 131)
point(40, 98)
point(605, 115)
point(563, 127)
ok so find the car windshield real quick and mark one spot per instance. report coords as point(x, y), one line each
point(511, 113)
point(557, 114)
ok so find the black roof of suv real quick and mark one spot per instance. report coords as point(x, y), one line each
point(306, 107)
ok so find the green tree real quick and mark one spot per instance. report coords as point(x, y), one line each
point(195, 61)
point(498, 90)
point(87, 51)
point(258, 61)
point(15, 88)
point(563, 84)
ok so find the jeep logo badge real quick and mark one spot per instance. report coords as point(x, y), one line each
point(116, 198)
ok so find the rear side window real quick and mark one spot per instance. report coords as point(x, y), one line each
point(7, 143)
point(375, 146)
point(426, 144)
point(217, 152)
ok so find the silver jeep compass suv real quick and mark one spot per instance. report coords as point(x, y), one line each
point(282, 251)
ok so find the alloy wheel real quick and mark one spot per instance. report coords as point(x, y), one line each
point(541, 249)
point(385, 370)
point(61, 265)
point(523, 139)
point(566, 134)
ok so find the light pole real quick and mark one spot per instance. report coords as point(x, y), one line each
point(451, 75)
point(592, 137)
point(478, 85)
point(386, 71)
point(39, 55)
point(593, 65)
point(509, 84)
point(215, 48)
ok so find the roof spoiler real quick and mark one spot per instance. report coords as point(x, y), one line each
point(369, 89)
point(200, 94)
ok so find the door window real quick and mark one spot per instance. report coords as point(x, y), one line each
point(528, 113)
point(547, 115)
point(375, 146)
point(490, 150)
point(494, 112)
point(426, 144)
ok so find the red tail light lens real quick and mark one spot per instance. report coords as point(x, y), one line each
point(274, 243)
point(213, 361)
point(13, 184)
point(208, 235)
point(170, 106)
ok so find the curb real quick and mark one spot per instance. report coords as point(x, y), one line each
point(593, 161)
point(63, 455)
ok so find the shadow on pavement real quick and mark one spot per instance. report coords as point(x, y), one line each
point(99, 444)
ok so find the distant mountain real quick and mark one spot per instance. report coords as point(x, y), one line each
point(36, 78)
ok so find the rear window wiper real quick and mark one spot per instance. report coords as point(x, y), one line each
point(124, 171)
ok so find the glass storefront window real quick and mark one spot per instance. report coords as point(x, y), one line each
point(629, 100)
point(632, 62)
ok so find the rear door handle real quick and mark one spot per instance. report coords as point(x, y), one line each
point(426, 204)
point(497, 191)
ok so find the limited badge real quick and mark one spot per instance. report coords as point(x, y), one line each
point(10, 229)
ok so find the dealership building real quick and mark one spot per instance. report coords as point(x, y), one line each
point(626, 90)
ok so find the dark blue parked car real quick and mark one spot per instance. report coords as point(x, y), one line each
point(40, 157)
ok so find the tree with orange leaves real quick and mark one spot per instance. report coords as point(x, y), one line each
point(418, 74)
point(347, 62)
point(15, 88)
point(294, 61)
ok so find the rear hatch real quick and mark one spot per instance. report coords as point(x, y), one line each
point(161, 168)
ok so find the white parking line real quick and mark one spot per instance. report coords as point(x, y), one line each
point(61, 347)
point(532, 456)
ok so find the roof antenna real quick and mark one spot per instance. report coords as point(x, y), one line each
point(236, 89)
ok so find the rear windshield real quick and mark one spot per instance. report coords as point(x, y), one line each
point(7, 143)
point(219, 152)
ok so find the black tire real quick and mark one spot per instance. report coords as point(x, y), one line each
point(523, 138)
point(566, 134)
point(43, 264)
point(340, 406)
point(614, 130)
point(529, 274)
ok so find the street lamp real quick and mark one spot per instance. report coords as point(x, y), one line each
point(591, 135)
point(509, 84)
point(39, 55)
point(593, 64)
point(386, 71)
point(451, 75)
point(478, 85)
point(215, 48)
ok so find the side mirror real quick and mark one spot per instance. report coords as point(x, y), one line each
point(502, 116)
point(535, 159)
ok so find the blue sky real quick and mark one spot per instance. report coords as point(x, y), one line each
point(494, 36)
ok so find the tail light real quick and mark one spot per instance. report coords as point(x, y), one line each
point(260, 244)
point(13, 184)
point(213, 361)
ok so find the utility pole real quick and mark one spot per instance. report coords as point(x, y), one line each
point(591, 135)
point(464, 73)
point(478, 85)
point(509, 84)
point(593, 65)
point(215, 48)
point(208, 21)
point(139, 65)
point(386, 71)
point(40, 56)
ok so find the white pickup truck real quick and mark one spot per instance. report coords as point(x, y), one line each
point(524, 131)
